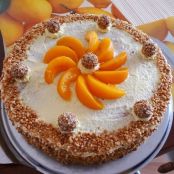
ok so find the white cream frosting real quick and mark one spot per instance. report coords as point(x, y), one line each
point(46, 102)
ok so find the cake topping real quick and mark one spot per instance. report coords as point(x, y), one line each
point(67, 122)
point(143, 110)
point(71, 56)
point(53, 26)
point(88, 63)
point(93, 41)
point(89, 60)
point(104, 23)
point(53, 29)
point(149, 50)
point(20, 72)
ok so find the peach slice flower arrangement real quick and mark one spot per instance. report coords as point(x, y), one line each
point(94, 69)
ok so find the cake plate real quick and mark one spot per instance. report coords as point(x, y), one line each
point(29, 155)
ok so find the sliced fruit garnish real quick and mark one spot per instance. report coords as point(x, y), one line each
point(93, 40)
point(57, 65)
point(102, 90)
point(58, 51)
point(122, 68)
point(115, 63)
point(105, 50)
point(95, 74)
point(113, 77)
point(65, 81)
point(85, 96)
point(72, 43)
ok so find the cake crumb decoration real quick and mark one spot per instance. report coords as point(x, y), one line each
point(20, 72)
point(52, 29)
point(149, 50)
point(67, 122)
point(143, 110)
point(104, 23)
point(53, 26)
point(88, 63)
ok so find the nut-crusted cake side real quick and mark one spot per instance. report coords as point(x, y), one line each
point(69, 148)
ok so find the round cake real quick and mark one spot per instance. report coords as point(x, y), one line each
point(85, 89)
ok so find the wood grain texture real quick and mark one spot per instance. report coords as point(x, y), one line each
point(141, 11)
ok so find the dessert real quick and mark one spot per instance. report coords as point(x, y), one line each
point(85, 90)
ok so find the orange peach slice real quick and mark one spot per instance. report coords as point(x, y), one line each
point(58, 51)
point(65, 81)
point(113, 77)
point(102, 90)
point(57, 65)
point(73, 43)
point(93, 40)
point(85, 96)
point(105, 50)
point(115, 63)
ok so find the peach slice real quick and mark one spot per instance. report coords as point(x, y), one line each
point(93, 40)
point(113, 77)
point(102, 90)
point(105, 50)
point(57, 65)
point(85, 96)
point(115, 63)
point(58, 51)
point(65, 81)
point(73, 43)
